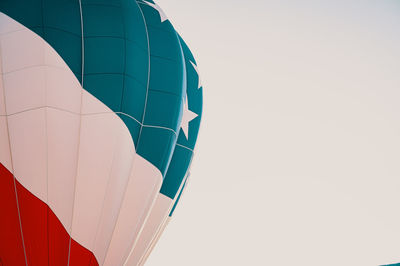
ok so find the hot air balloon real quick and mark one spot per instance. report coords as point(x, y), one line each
point(100, 108)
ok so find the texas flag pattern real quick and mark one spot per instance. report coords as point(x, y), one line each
point(100, 109)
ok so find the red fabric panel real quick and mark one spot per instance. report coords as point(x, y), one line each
point(46, 240)
point(58, 241)
point(80, 256)
point(11, 249)
point(33, 214)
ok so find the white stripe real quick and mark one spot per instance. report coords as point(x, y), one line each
point(5, 154)
point(159, 213)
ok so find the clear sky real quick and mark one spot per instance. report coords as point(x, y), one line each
point(298, 156)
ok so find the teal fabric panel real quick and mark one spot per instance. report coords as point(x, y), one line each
point(104, 55)
point(156, 145)
point(132, 125)
point(135, 29)
point(177, 170)
point(163, 109)
point(62, 15)
point(103, 2)
point(167, 76)
point(28, 13)
point(71, 47)
point(107, 88)
point(178, 198)
point(195, 98)
point(137, 62)
point(183, 152)
point(136, 91)
point(102, 20)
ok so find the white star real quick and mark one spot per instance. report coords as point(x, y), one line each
point(163, 17)
point(198, 76)
point(186, 118)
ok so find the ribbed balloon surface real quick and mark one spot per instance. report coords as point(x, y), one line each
point(100, 107)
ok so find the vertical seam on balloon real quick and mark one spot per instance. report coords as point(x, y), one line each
point(131, 164)
point(141, 262)
point(80, 127)
point(154, 192)
point(47, 142)
point(124, 76)
point(12, 164)
point(148, 75)
point(119, 211)
point(104, 199)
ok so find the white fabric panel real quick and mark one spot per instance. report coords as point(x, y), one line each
point(63, 140)
point(17, 54)
point(24, 89)
point(162, 224)
point(97, 141)
point(91, 105)
point(144, 183)
point(2, 101)
point(155, 240)
point(29, 150)
point(159, 213)
point(63, 90)
point(52, 58)
point(123, 160)
point(8, 25)
point(5, 157)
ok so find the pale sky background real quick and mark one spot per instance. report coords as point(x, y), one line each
point(298, 158)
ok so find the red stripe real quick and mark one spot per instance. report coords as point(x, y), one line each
point(46, 240)
point(11, 249)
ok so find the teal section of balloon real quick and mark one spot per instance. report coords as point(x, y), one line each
point(183, 152)
point(123, 54)
point(194, 95)
point(179, 197)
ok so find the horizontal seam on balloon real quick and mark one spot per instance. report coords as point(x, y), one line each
point(165, 58)
point(62, 30)
point(183, 146)
point(167, 92)
point(9, 32)
point(116, 73)
point(161, 127)
point(108, 5)
point(88, 114)
point(85, 37)
point(117, 37)
point(35, 66)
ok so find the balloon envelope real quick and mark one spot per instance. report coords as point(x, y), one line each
point(100, 106)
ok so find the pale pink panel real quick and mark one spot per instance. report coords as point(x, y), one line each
point(2, 100)
point(63, 89)
point(91, 105)
point(63, 140)
point(161, 226)
point(158, 214)
point(124, 153)
point(97, 141)
point(52, 58)
point(155, 240)
point(144, 183)
point(28, 149)
point(21, 49)
point(8, 25)
point(5, 157)
point(25, 89)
